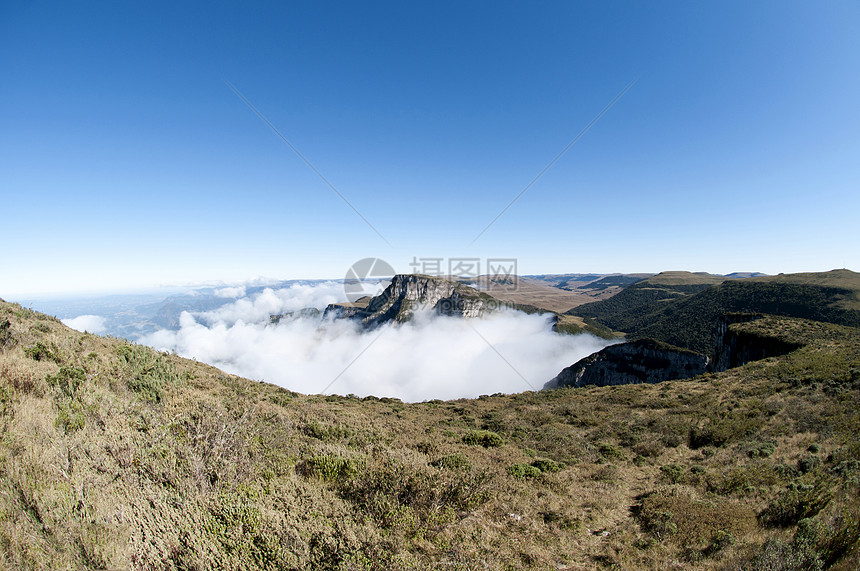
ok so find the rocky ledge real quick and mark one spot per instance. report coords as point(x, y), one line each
point(642, 361)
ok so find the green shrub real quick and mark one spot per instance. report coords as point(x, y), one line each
point(719, 541)
point(40, 328)
point(743, 479)
point(694, 523)
point(43, 352)
point(67, 379)
point(326, 433)
point(808, 464)
point(797, 502)
point(414, 500)
point(332, 468)
point(485, 438)
point(147, 372)
point(674, 473)
point(720, 429)
point(523, 471)
point(70, 416)
point(547, 465)
point(610, 451)
point(756, 449)
point(6, 338)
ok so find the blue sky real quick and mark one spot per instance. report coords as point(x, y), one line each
point(127, 161)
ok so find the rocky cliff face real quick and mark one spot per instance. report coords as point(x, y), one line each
point(407, 293)
point(737, 346)
point(642, 361)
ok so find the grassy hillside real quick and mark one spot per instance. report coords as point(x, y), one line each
point(687, 314)
point(627, 310)
point(116, 456)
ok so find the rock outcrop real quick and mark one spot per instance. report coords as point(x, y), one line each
point(409, 292)
point(642, 361)
point(737, 346)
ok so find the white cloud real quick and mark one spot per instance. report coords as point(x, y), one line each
point(273, 301)
point(430, 357)
point(231, 292)
point(91, 323)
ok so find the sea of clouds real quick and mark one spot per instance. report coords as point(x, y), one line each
point(431, 357)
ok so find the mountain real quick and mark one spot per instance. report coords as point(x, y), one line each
point(116, 456)
point(684, 309)
point(633, 306)
point(407, 292)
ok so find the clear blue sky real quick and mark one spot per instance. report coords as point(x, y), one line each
point(125, 159)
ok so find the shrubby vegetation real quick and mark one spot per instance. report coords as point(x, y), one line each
point(117, 456)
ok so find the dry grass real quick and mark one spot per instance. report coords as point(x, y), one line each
point(115, 456)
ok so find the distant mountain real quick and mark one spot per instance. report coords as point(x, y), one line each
point(619, 280)
point(740, 275)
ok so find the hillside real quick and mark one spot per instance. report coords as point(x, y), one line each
point(687, 314)
point(633, 306)
point(117, 456)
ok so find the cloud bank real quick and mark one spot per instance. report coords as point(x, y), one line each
point(92, 323)
point(431, 357)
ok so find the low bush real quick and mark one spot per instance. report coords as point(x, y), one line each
point(547, 465)
point(44, 352)
point(798, 501)
point(67, 379)
point(610, 451)
point(146, 372)
point(485, 438)
point(523, 471)
point(756, 449)
point(331, 468)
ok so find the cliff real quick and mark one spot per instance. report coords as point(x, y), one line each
point(409, 292)
point(738, 345)
point(642, 361)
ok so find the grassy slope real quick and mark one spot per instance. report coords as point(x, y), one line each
point(116, 456)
